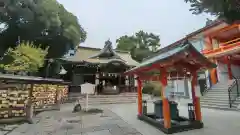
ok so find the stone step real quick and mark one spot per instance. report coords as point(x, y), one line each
point(217, 107)
point(225, 104)
point(216, 92)
point(104, 96)
point(219, 88)
point(109, 99)
point(214, 98)
point(235, 106)
point(104, 99)
point(217, 95)
point(215, 101)
point(108, 102)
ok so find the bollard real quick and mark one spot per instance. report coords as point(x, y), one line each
point(144, 107)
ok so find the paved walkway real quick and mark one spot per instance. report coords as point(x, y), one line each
point(65, 122)
point(216, 122)
point(121, 120)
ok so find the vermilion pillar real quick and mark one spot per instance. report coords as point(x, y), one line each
point(214, 78)
point(166, 110)
point(139, 82)
point(230, 75)
point(196, 100)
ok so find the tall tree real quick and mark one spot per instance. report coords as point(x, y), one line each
point(141, 44)
point(43, 22)
point(126, 43)
point(227, 9)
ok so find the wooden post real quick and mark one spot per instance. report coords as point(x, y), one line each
point(165, 107)
point(29, 106)
point(139, 96)
point(58, 98)
point(196, 101)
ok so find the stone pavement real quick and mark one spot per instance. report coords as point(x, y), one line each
point(216, 122)
point(121, 120)
point(65, 122)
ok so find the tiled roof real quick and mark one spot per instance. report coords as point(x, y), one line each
point(83, 54)
point(213, 24)
point(172, 54)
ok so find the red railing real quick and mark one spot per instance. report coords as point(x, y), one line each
point(223, 47)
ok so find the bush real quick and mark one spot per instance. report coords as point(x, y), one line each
point(148, 88)
point(156, 93)
point(152, 88)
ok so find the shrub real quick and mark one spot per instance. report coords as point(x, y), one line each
point(147, 88)
point(156, 93)
point(24, 57)
point(152, 88)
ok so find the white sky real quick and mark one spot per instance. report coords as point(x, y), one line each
point(104, 19)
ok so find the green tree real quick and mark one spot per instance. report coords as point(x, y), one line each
point(24, 57)
point(44, 22)
point(141, 44)
point(227, 9)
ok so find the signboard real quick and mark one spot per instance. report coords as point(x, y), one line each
point(88, 88)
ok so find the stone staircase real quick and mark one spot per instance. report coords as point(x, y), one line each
point(122, 98)
point(236, 104)
point(217, 96)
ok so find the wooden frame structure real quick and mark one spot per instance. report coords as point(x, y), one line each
point(20, 89)
point(101, 66)
point(182, 60)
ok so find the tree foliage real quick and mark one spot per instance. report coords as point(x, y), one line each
point(24, 57)
point(44, 22)
point(141, 44)
point(227, 9)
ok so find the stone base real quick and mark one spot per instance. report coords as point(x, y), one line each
point(181, 126)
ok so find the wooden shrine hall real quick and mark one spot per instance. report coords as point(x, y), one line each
point(101, 67)
point(178, 61)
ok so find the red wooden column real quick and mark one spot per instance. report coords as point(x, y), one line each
point(214, 75)
point(166, 109)
point(196, 100)
point(230, 75)
point(139, 82)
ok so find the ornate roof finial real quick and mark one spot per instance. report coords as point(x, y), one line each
point(209, 21)
point(108, 43)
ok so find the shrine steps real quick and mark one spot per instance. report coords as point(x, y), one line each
point(217, 97)
point(236, 104)
point(122, 98)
